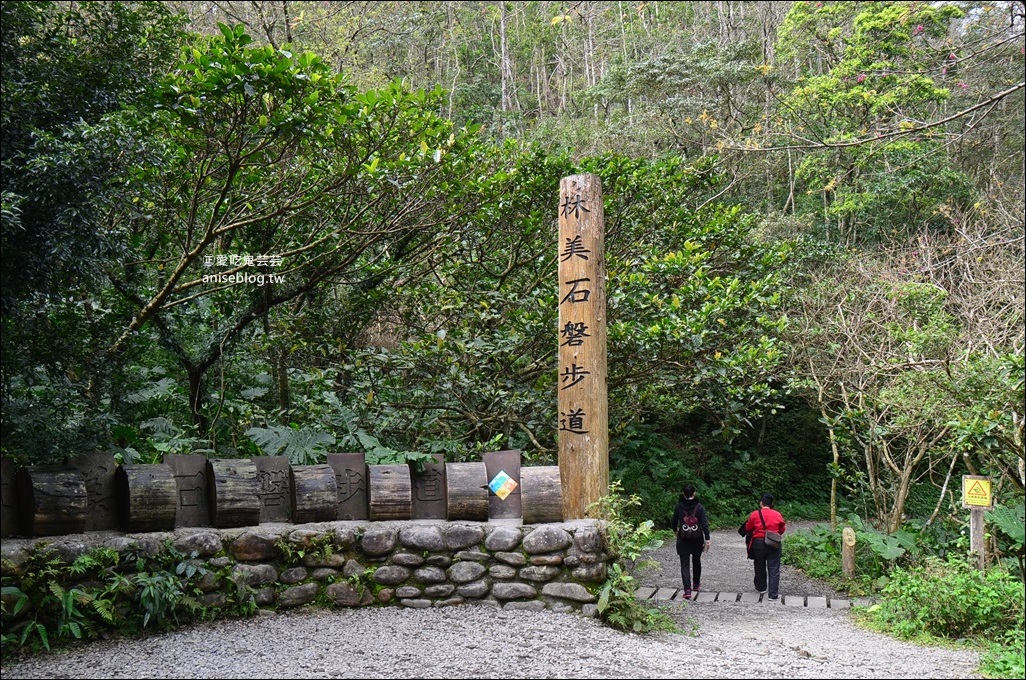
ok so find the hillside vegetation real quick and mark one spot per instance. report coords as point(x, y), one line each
point(249, 228)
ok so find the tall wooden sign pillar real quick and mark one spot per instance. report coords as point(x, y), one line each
point(583, 409)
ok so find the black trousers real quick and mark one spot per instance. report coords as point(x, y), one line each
point(690, 553)
point(767, 567)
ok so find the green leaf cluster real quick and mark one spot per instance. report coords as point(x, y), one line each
point(950, 599)
point(99, 592)
point(867, 73)
point(618, 604)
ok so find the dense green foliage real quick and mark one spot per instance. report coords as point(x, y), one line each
point(951, 600)
point(874, 191)
point(63, 71)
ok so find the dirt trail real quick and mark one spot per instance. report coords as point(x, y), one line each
point(726, 568)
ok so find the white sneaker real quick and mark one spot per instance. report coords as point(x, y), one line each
point(762, 592)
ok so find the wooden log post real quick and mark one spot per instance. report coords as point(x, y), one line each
point(848, 552)
point(146, 497)
point(314, 493)
point(53, 500)
point(977, 534)
point(10, 522)
point(390, 495)
point(541, 494)
point(583, 407)
point(467, 491)
point(234, 493)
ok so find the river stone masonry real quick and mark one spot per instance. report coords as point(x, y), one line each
point(416, 563)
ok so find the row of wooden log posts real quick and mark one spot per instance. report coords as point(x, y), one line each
point(93, 493)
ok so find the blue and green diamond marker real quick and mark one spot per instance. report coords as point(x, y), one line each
point(502, 484)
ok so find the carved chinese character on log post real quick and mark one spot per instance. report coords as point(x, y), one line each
point(583, 409)
point(192, 505)
point(97, 470)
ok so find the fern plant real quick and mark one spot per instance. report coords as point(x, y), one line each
point(99, 591)
point(302, 445)
point(71, 621)
point(1010, 524)
point(10, 638)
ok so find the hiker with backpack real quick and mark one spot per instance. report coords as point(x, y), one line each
point(692, 529)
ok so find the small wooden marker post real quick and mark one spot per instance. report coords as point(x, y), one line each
point(583, 407)
point(848, 552)
point(976, 495)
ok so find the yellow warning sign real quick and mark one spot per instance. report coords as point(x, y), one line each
point(976, 492)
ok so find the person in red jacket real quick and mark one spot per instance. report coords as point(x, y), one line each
point(767, 559)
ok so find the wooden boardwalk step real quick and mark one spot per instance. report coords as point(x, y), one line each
point(808, 602)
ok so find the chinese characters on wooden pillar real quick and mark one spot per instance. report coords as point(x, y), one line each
point(583, 410)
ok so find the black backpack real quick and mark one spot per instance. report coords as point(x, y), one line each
point(689, 529)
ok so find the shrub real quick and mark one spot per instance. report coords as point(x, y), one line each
point(617, 605)
point(99, 592)
point(951, 599)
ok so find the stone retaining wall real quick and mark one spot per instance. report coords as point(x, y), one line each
point(420, 563)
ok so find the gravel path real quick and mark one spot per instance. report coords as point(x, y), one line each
point(731, 640)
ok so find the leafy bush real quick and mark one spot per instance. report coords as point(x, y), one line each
point(1004, 657)
point(950, 599)
point(91, 596)
point(617, 605)
point(817, 551)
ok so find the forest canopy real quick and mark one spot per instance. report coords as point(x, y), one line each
point(260, 228)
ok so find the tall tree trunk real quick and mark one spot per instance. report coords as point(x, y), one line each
point(835, 450)
point(282, 379)
point(199, 418)
point(505, 68)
